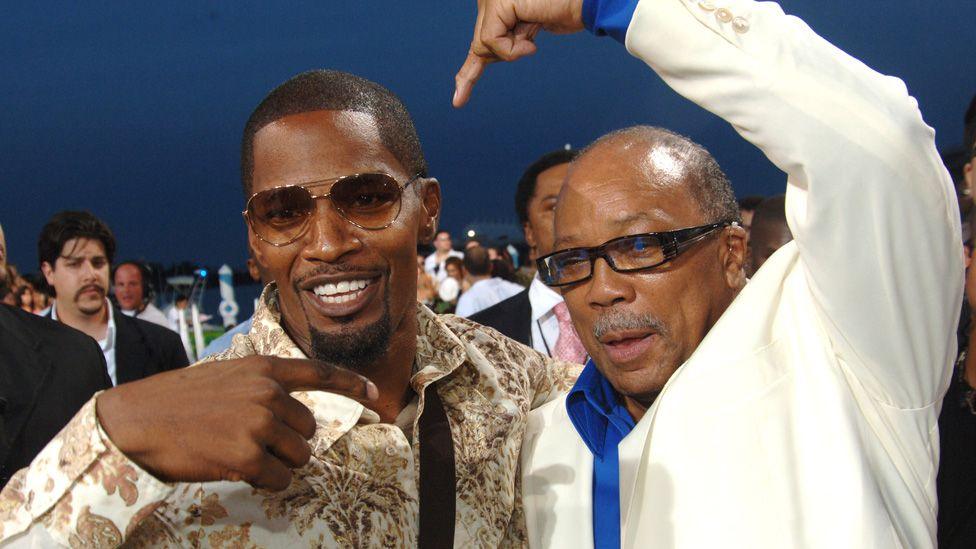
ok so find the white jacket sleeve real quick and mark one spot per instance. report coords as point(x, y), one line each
point(869, 202)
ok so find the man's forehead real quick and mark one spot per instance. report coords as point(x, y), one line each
point(82, 248)
point(621, 191)
point(319, 145)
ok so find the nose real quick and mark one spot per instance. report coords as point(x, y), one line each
point(607, 287)
point(88, 271)
point(329, 236)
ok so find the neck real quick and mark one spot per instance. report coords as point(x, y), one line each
point(442, 254)
point(94, 325)
point(635, 408)
point(474, 278)
point(391, 373)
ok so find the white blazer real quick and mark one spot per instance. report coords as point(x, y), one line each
point(807, 416)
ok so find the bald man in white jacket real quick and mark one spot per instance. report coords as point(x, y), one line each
point(806, 417)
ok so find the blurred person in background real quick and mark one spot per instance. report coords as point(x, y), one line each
point(769, 233)
point(451, 287)
point(443, 250)
point(25, 297)
point(426, 288)
point(537, 316)
point(486, 289)
point(747, 207)
point(132, 283)
point(75, 250)
point(957, 423)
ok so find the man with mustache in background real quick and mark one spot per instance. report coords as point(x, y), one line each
point(75, 250)
point(798, 409)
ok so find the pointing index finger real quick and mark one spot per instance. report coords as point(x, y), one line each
point(467, 76)
point(296, 374)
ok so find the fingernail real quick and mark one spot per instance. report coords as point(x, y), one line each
point(454, 99)
point(372, 393)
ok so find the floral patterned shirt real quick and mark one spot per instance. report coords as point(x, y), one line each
point(360, 487)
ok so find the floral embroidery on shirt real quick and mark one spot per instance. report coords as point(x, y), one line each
point(358, 490)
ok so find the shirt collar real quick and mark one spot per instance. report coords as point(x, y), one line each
point(542, 299)
point(109, 341)
point(594, 407)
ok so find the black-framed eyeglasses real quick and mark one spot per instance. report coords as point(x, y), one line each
point(281, 215)
point(625, 254)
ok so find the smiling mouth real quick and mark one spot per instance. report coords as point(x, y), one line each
point(343, 291)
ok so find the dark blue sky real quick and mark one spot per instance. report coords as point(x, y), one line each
point(134, 110)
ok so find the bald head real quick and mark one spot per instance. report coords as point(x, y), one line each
point(667, 159)
point(769, 231)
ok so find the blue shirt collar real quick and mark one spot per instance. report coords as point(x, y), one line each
point(594, 407)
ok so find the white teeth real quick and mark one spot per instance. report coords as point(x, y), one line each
point(344, 291)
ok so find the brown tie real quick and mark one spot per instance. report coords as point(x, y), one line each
point(437, 478)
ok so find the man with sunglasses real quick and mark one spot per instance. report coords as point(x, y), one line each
point(337, 200)
point(798, 410)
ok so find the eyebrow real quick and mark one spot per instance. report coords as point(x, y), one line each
point(570, 241)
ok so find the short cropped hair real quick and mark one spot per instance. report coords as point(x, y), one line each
point(751, 202)
point(526, 184)
point(330, 90)
point(707, 183)
point(68, 225)
point(476, 261)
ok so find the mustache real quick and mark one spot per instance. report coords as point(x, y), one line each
point(87, 287)
point(330, 270)
point(618, 320)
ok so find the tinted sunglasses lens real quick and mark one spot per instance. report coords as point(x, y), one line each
point(280, 215)
point(370, 200)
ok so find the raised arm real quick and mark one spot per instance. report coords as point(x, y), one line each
point(868, 200)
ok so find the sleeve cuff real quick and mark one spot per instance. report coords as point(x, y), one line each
point(608, 17)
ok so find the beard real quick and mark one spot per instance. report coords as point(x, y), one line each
point(355, 350)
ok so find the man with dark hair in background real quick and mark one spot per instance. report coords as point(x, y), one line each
point(957, 423)
point(337, 200)
point(769, 233)
point(486, 289)
point(47, 372)
point(133, 292)
point(747, 207)
point(75, 250)
point(537, 316)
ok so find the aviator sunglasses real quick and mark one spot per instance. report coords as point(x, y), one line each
point(281, 215)
point(626, 254)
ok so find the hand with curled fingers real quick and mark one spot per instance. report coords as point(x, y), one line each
point(228, 420)
point(505, 31)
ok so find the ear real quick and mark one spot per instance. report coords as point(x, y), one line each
point(530, 239)
point(733, 254)
point(48, 270)
point(430, 206)
point(257, 250)
point(969, 176)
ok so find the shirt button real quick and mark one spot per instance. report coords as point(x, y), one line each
point(391, 451)
point(740, 25)
point(723, 15)
point(706, 5)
